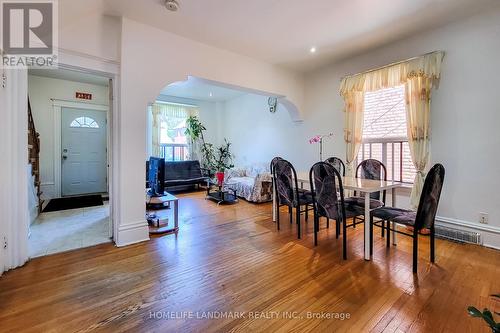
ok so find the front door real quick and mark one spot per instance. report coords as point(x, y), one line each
point(83, 151)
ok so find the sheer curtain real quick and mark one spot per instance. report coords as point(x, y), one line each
point(353, 129)
point(418, 121)
point(167, 112)
point(419, 75)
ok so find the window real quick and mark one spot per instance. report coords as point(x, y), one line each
point(172, 126)
point(84, 122)
point(384, 133)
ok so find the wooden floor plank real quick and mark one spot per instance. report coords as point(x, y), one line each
point(231, 259)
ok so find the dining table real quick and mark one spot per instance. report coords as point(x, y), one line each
point(359, 185)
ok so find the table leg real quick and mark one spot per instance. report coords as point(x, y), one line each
point(367, 226)
point(176, 215)
point(394, 224)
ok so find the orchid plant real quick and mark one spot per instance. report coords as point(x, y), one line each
point(319, 138)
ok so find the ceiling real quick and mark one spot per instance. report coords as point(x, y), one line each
point(201, 90)
point(283, 31)
point(69, 75)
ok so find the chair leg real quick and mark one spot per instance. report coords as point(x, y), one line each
point(327, 223)
point(432, 244)
point(388, 233)
point(297, 217)
point(354, 222)
point(415, 250)
point(337, 228)
point(371, 235)
point(382, 229)
point(344, 240)
point(307, 212)
point(278, 217)
point(290, 214)
point(316, 227)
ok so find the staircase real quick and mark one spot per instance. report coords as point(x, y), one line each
point(34, 155)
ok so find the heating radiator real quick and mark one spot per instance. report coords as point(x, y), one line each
point(458, 235)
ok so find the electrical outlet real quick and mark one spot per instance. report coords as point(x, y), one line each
point(5, 242)
point(483, 218)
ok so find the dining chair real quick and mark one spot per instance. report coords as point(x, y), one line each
point(337, 164)
point(271, 168)
point(328, 200)
point(289, 194)
point(375, 170)
point(424, 217)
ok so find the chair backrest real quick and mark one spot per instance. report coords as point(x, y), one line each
point(286, 183)
point(324, 180)
point(273, 162)
point(337, 164)
point(429, 199)
point(372, 169)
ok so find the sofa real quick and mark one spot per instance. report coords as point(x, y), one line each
point(182, 173)
point(252, 183)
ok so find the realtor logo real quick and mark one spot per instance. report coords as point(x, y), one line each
point(29, 33)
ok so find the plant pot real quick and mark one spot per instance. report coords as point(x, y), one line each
point(220, 177)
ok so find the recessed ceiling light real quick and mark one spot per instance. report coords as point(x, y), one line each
point(312, 49)
point(210, 94)
point(172, 5)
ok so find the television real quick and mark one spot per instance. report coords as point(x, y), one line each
point(156, 177)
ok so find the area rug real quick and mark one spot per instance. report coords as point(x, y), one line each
point(73, 202)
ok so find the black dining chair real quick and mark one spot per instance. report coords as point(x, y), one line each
point(271, 168)
point(375, 170)
point(289, 194)
point(337, 164)
point(340, 166)
point(328, 200)
point(424, 217)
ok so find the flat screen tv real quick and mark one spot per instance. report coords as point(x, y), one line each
point(156, 176)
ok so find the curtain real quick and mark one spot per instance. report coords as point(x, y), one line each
point(174, 115)
point(353, 128)
point(419, 75)
point(418, 114)
point(156, 129)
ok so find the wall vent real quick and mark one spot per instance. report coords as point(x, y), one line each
point(457, 235)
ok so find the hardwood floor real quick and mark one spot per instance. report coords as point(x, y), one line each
point(232, 259)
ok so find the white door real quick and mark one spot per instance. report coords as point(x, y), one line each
point(83, 151)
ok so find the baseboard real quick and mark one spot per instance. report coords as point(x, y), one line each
point(132, 233)
point(489, 234)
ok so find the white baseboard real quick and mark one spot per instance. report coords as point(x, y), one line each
point(490, 235)
point(132, 233)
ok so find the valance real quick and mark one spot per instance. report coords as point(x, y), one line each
point(427, 66)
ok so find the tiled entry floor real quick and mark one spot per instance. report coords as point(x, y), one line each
point(70, 229)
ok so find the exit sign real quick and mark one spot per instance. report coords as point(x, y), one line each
point(82, 95)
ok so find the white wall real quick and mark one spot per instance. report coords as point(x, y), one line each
point(41, 90)
point(151, 59)
point(465, 118)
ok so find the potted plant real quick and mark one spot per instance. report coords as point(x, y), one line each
point(486, 315)
point(220, 159)
point(216, 159)
point(194, 130)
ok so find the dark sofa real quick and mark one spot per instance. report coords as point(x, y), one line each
point(182, 173)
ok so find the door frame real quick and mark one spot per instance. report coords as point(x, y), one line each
point(57, 106)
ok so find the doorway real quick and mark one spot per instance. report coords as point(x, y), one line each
point(73, 170)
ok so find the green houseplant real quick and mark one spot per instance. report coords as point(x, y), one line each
point(486, 315)
point(216, 159)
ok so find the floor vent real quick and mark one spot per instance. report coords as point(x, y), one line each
point(457, 235)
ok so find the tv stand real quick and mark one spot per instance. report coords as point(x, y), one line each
point(158, 221)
